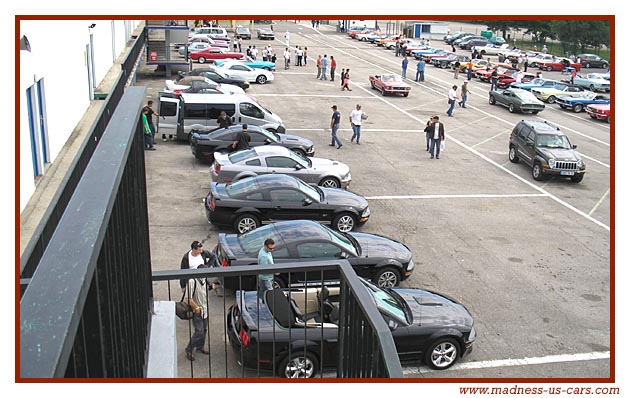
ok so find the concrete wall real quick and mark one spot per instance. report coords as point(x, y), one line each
point(58, 56)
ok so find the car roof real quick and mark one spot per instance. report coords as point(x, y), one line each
point(299, 230)
point(266, 150)
point(542, 126)
point(215, 98)
point(267, 181)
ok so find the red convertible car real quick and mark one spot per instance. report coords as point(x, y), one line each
point(599, 111)
point(390, 84)
point(502, 73)
point(506, 81)
point(559, 64)
point(211, 53)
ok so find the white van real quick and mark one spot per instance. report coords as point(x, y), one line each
point(214, 32)
point(200, 111)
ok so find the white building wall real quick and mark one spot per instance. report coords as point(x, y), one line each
point(58, 55)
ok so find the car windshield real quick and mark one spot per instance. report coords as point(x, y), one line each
point(560, 87)
point(526, 96)
point(239, 156)
point(391, 78)
point(272, 136)
point(388, 303)
point(252, 241)
point(552, 141)
point(305, 162)
point(343, 241)
point(314, 193)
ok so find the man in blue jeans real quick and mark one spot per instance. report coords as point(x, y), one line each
point(436, 131)
point(420, 70)
point(452, 96)
point(356, 118)
point(265, 281)
point(334, 126)
point(405, 62)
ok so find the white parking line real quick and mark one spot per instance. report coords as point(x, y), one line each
point(499, 363)
point(594, 160)
point(482, 156)
point(462, 196)
point(599, 202)
point(491, 138)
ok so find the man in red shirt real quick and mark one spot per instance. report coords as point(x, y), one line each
point(333, 65)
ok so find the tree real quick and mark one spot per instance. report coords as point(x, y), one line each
point(540, 30)
point(578, 35)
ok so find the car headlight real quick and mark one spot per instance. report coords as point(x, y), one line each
point(410, 265)
point(552, 162)
point(580, 163)
point(366, 212)
point(346, 177)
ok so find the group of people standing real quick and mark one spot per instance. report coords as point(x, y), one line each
point(356, 119)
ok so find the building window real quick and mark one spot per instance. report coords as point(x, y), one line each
point(38, 128)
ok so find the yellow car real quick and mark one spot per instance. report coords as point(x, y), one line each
point(549, 94)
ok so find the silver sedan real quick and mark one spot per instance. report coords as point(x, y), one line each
point(273, 159)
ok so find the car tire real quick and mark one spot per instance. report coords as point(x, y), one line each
point(535, 112)
point(267, 68)
point(406, 95)
point(492, 100)
point(262, 79)
point(279, 282)
point(372, 83)
point(605, 66)
point(442, 354)
point(387, 277)
point(300, 152)
point(202, 60)
point(587, 65)
point(512, 154)
point(577, 108)
point(537, 172)
point(245, 223)
point(608, 119)
point(551, 99)
point(511, 108)
point(344, 222)
point(577, 178)
point(549, 69)
point(299, 365)
point(592, 116)
point(330, 182)
point(591, 87)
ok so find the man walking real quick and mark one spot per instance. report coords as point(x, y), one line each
point(456, 67)
point(452, 96)
point(469, 69)
point(324, 63)
point(356, 118)
point(405, 62)
point(334, 127)
point(242, 139)
point(287, 58)
point(286, 38)
point(462, 103)
point(333, 66)
point(428, 131)
point(148, 143)
point(437, 135)
point(494, 80)
point(265, 281)
point(420, 70)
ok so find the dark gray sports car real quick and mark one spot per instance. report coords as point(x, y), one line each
point(294, 332)
point(516, 99)
point(383, 260)
point(250, 202)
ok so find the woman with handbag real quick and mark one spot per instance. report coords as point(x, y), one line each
point(346, 80)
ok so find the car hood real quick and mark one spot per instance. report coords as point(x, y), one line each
point(321, 164)
point(560, 154)
point(295, 140)
point(380, 246)
point(341, 197)
point(433, 309)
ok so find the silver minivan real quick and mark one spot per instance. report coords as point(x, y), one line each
point(179, 115)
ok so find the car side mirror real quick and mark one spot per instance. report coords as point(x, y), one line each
point(342, 255)
point(392, 325)
point(298, 167)
point(307, 202)
point(267, 141)
point(574, 146)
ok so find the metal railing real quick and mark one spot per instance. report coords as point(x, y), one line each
point(358, 344)
point(85, 311)
point(44, 231)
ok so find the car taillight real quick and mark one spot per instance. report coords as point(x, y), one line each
point(224, 262)
point(212, 204)
point(244, 337)
point(217, 168)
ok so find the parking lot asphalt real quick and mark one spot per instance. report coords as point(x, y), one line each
point(531, 260)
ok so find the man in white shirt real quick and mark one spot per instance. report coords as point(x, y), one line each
point(254, 53)
point(452, 97)
point(287, 58)
point(356, 118)
point(286, 37)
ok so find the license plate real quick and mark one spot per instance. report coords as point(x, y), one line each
point(566, 173)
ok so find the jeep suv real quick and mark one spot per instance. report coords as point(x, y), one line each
point(546, 149)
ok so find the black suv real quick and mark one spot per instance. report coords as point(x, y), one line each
point(546, 149)
point(592, 60)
